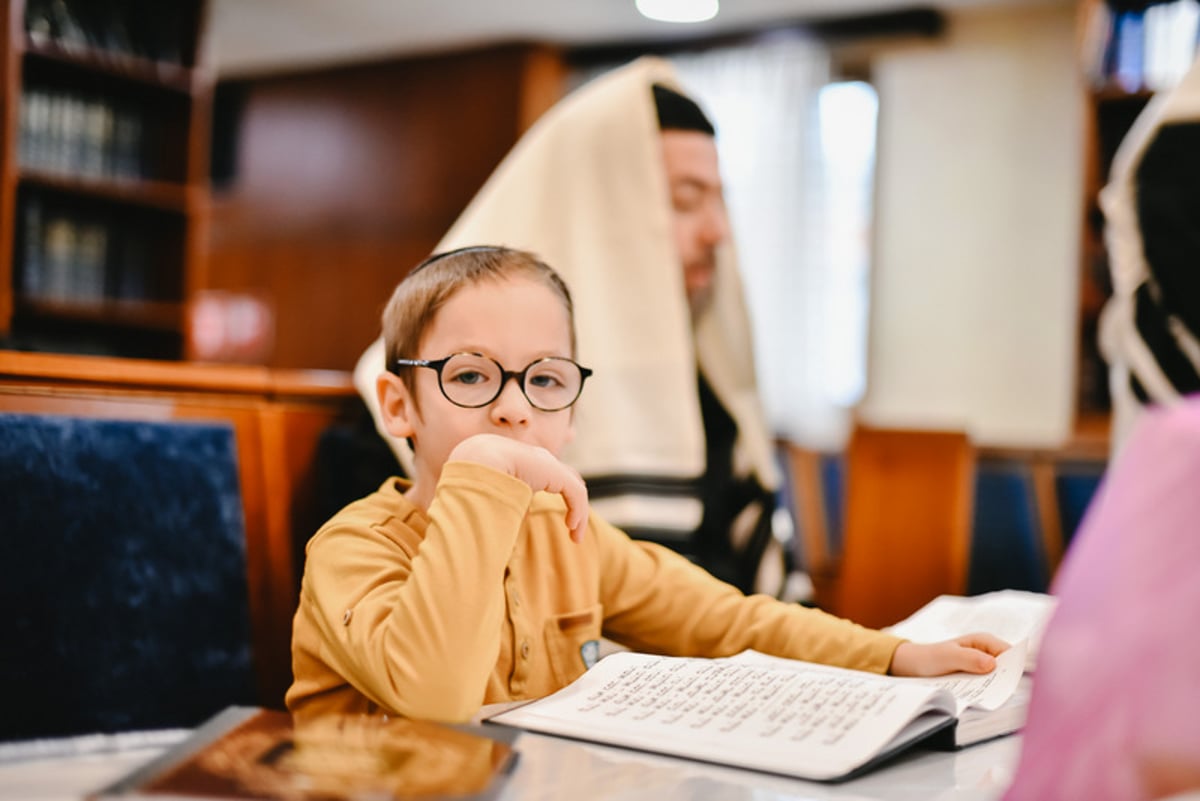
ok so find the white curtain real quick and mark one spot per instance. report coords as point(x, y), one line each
point(797, 158)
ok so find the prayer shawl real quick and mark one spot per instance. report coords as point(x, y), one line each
point(585, 189)
point(1150, 329)
point(1114, 709)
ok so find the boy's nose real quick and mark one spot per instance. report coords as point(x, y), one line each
point(511, 408)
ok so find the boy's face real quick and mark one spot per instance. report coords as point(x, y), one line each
point(514, 321)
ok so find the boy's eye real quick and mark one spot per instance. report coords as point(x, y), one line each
point(469, 377)
point(544, 381)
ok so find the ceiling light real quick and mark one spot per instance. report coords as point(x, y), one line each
point(678, 10)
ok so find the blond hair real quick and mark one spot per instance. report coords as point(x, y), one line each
point(434, 281)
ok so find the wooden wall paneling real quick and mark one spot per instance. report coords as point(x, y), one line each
point(347, 177)
point(199, 205)
point(542, 85)
point(11, 21)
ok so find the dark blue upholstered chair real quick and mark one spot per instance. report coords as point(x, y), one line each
point(122, 576)
point(1075, 483)
point(1006, 540)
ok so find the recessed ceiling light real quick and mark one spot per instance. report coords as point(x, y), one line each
point(678, 10)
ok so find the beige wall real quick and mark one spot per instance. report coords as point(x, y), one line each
point(980, 185)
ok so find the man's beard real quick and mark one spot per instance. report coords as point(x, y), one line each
point(699, 301)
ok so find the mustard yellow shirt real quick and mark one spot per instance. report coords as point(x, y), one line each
point(487, 599)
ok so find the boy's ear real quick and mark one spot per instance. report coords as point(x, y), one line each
point(395, 405)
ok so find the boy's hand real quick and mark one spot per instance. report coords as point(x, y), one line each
point(971, 653)
point(534, 465)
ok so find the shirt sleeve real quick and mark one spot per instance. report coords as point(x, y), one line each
point(414, 623)
point(657, 601)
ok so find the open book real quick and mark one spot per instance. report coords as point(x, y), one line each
point(1011, 615)
point(761, 712)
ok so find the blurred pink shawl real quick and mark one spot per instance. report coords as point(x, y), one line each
point(1115, 712)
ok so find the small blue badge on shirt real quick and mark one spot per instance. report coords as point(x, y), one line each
point(590, 651)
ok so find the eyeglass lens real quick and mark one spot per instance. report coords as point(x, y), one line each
point(550, 384)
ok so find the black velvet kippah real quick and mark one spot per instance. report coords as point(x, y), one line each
point(679, 113)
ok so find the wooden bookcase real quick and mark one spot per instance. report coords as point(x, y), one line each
point(104, 156)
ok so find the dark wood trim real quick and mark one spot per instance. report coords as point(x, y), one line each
point(919, 21)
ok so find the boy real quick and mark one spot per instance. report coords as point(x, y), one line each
point(486, 579)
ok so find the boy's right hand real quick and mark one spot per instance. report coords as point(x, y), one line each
point(536, 466)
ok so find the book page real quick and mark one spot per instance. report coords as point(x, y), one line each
point(977, 724)
point(987, 691)
point(819, 723)
point(1011, 615)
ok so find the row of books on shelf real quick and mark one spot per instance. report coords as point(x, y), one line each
point(1140, 48)
point(70, 258)
point(145, 29)
point(79, 134)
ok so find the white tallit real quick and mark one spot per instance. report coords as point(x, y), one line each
point(1124, 346)
point(585, 189)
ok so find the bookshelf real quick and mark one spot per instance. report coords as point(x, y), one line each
point(1129, 51)
point(103, 175)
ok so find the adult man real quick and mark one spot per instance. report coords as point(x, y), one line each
point(618, 186)
point(1150, 330)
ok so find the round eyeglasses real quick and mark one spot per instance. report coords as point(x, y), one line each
point(472, 380)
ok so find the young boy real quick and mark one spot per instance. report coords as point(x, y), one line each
point(486, 579)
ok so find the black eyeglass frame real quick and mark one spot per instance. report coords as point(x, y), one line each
point(438, 364)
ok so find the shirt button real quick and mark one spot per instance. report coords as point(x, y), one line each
point(525, 649)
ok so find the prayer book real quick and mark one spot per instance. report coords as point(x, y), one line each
point(762, 712)
point(1012, 615)
point(255, 753)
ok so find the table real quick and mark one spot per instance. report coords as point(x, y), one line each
point(552, 768)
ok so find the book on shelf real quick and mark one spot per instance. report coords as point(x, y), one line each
point(1147, 46)
point(765, 713)
point(255, 753)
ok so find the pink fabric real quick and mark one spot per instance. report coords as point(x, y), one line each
point(1115, 712)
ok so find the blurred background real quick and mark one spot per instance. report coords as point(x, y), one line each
point(913, 188)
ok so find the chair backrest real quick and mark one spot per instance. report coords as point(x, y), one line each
point(907, 521)
point(123, 575)
point(813, 493)
point(1075, 485)
point(1008, 541)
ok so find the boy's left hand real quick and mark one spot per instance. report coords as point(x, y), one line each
point(970, 653)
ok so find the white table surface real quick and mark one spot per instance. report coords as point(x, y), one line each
point(552, 769)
